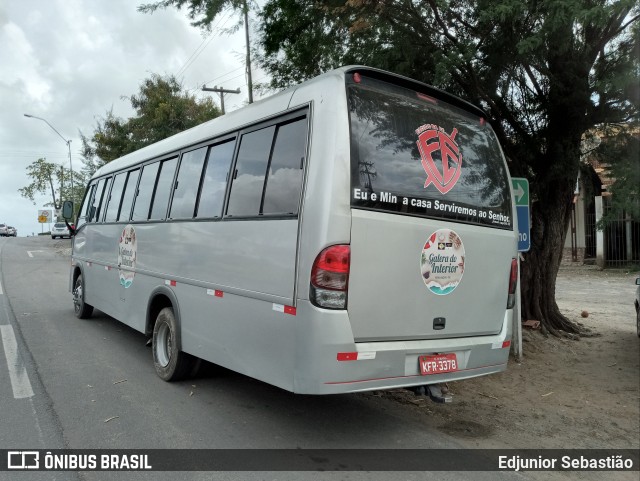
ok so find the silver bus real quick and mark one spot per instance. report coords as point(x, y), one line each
point(355, 232)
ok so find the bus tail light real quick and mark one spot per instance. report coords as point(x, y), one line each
point(330, 277)
point(513, 283)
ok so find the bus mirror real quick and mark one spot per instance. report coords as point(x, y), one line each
point(67, 210)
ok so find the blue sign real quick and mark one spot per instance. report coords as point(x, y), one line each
point(524, 230)
point(521, 193)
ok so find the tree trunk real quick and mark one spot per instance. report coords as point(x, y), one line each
point(550, 219)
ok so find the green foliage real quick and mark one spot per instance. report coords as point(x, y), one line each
point(52, 179)
point(302, 39)
point(42, 175)
point(162, 109)
point(620, 151)
point(201, 12)
point(545, 72)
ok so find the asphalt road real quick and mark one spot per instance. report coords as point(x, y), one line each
point(67, 383)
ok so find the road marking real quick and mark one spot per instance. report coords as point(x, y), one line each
point(17, 371)
point(1, 289)
point(30, 253)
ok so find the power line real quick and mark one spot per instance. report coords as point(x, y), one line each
point(186, 64)
point(225, 74)
point(202, 47)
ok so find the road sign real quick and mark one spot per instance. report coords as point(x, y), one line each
point(44, 216)
point(521, 193)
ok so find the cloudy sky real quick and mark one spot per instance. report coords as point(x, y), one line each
point(69, 61)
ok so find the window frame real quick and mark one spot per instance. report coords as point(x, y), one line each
point(183, 152)
point(163, 160)
point(218, 141)
point(128, 171)
point(153, 191)
point(290, 117)
point(114, 175)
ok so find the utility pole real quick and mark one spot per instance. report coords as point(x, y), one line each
point(245, 10)
point(221, 91)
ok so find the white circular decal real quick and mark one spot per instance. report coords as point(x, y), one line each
point(442, 262)
point(127, 253)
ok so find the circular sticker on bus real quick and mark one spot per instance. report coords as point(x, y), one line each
point(127, 253)
point(442, 262)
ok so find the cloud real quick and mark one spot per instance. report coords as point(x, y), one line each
point(69, 61)
point(20, 66)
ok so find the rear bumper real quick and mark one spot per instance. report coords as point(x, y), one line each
point(387, 365)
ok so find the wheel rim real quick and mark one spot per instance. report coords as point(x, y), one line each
point(163, 345)
point(77, 296)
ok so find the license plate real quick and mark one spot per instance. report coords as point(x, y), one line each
point(438, 364)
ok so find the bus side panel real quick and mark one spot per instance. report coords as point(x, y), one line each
point(255, 257)
point(247, 335)
point(250, 264)
point(326, 209)
point(93, 244)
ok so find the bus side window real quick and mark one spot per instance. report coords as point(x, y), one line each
point(94, 210)
point(84, 209)
point(129, 191)
point(284, 179)
point(250, 172)
point(142, 203)
point(103, 203)
point(114, 199)
point(214, 182)
point(163, 189)
point(183, 205)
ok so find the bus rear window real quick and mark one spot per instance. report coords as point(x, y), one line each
point(424, 158)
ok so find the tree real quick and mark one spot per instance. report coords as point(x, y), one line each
point(545, 73)
point(203, 12)
point(162, 109)
point(44, 176)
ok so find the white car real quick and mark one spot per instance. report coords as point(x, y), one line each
point(4, 231)
point(12, 231)
point(60, 230)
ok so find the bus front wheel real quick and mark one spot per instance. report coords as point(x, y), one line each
point(171, 364)
point(81, 308)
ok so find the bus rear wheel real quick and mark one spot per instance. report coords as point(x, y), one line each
point(171, 364)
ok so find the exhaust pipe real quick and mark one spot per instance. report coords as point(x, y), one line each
point(438, 393)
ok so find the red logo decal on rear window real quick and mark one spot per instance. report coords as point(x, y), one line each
point(432, 138)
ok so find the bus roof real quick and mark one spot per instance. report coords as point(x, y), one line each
point(266, 108)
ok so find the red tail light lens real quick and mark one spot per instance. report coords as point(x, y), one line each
point(330, 277)
point(513, 283)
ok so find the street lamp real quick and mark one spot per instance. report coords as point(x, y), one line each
point(68, 142)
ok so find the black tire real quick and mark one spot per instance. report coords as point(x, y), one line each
point(171, 364)
point(81, 308)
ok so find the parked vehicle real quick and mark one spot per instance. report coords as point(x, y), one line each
point(11, 231)
point(4, 231)
point(60, 229)
point(352, 233)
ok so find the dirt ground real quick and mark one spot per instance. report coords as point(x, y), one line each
point(564, 393)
